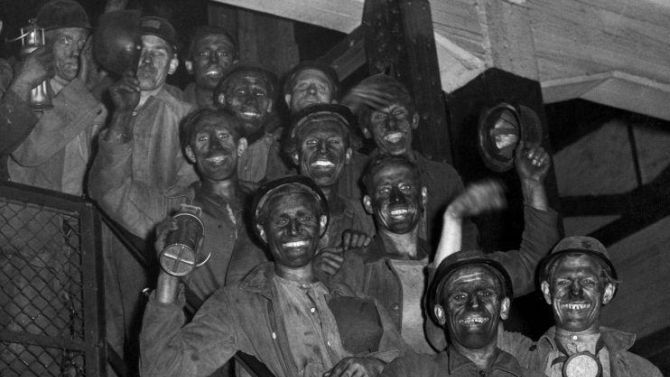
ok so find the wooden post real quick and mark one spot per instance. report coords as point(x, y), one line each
point(264, 39)
point(399, 41)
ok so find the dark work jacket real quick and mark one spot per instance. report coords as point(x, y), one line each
point(370, 272)
point(246, 317)
point(451, 363)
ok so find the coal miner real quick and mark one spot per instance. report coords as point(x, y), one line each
point(249, 92)
point(280, 312)
point(577, 280)
point(319, 144)
point(391, 268)
point(312, 82)
point(469, 297)
point(211, 55)
point(388, 116)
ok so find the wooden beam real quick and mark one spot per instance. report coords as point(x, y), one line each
point(340, 15)
point(348, 55)
point(399, 41)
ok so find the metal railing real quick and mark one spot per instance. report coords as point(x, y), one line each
point(51, 287)
point(51, 304)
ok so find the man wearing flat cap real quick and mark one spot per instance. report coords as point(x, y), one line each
point(313, 82)
point(138, 152)
point(319, 144)
point(280, 312)
point(577, 280)
point(57, 151)
point(469, 297)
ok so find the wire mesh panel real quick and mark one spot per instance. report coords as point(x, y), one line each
point(45, 308)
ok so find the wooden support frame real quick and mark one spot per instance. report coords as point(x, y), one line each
point(399, 41)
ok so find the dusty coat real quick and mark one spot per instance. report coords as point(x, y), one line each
point(243, 318)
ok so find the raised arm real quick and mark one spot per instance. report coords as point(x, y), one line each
point(540, 221)
point(171, 348)
point(475, 199)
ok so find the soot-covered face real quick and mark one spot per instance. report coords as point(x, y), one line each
point(577, 290)
point(397, 198)
point(248, 96)
point(292, 228)
point(215, 148)
point(213, 56)
point(391, 128)
point(472, 305)
point(323, 151)
point(67, 45)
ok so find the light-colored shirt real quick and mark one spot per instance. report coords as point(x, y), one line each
point(413, 283)
point(314, 338)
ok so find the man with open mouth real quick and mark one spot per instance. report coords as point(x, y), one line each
point(280, 312)
point(387, 115)
point(211, 55)
point(319, 144)
point(577, 280)
point(468, 297)
point(391, 269)
point(249, 91)
point(312, 82)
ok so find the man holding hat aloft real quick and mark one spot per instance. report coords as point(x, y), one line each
point(280, 312)
point(57, 151)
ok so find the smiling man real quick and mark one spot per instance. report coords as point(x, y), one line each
point(211, 55)
point(387, 115)
point(469, 297)
point(249, 92)
point(578, 280)
point(391, 269)
point(280, 312)
point(319, 144)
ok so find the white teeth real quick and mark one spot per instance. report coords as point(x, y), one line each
point(323, 164)
point(296, 244)
point(399, 212)
point(474, 320)
point(250, 113)
point(577, 306)
point(216, 159)
point(213, 72)
point(394, 137)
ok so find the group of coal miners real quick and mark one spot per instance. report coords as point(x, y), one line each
point(321, 260)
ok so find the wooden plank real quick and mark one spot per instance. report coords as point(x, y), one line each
point(588, 39)
point(340, 15)
point(348, 55)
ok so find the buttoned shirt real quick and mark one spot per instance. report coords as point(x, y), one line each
point(314, 339)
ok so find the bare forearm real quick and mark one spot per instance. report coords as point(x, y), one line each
point(166, 288)
point(534, 194)
point(451, 238)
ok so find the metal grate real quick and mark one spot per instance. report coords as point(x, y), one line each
point(43, 288)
